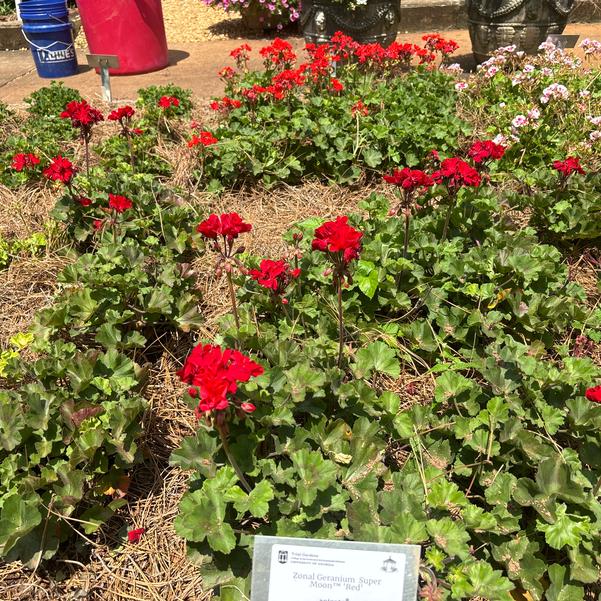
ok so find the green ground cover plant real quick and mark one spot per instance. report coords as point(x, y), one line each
point(294, 120)
point(497, 476)
point(309, 422)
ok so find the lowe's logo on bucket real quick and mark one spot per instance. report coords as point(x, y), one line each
point(56, 56)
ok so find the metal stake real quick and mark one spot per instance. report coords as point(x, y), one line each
point(105, 79)
point(104, 62)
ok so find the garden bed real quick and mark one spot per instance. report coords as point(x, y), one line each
point(448, 411)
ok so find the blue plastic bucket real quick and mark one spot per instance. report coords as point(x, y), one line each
point(47, 28)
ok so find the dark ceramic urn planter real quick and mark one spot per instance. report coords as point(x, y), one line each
point(375, 22)
point(523, 23)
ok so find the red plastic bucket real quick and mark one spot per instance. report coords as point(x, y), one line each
point(131, 29)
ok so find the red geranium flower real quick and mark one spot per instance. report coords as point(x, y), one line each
point(594, 394)
point(168, 101)
point(229, 225)
point(23, 161)
point(204, 138)
point(274, 275)
point(436, 42)
point(60, 170)
point(119, 203)
point(98, 224)
point(280, 51)
point(81, 114)
point(134, 536)
point(409, 179)
point(84, 202)
point(359, 108)
point(482, 151)
point(455, 172)
point(124, 112)
point(241, 52)
point(568, 166)
point(227, 73)
point(213, 374)
point(336, 85)
point(338, 237)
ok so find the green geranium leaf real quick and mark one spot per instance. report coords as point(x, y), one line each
point(449, 536)
point(314, 472)
point(379, 357)
point(19, 516)
point(202, 515)
point(564, 531)
point(257, 501)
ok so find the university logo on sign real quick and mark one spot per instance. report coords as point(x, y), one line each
point(283, 556)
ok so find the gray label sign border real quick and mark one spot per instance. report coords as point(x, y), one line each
point(263, 545)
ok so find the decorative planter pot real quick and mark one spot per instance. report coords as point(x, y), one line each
point(257, 17)
point(525, 23)
point(376, 21)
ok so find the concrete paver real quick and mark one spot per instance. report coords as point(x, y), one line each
point(194, 66)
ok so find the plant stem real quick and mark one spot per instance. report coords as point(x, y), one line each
point(131, 150)
point(87, 148)
point(230, 458)
point(597, 488)
point(406, 240)
point(233, 300)
point(447, 220)
point(340, 321)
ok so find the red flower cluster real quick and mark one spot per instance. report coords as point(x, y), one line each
point(134, 536)
point(119, 203)
point(455, 173)
point(166, 102)
point(228, 225)
point(289, 78)
point(23, 161)
point(594, 394)
point(276, 91)
point(227, 73)
point(81, 114)
point(213, 373)
point(277, 53)
point(482, 151)
point(124, 113)
point(280, 57)
point(409, 179)
point(274, 275)
point(339, 238)
point(241, 52)
point(204, 138)
point(60, 169)
point(436, 43)
point(225, 103)
point(336, 84)
point(568, 166)
point(359, 108)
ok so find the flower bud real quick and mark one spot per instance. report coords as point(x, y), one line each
point(240, 250)
point(297, 237)
point(327, 272)
point(247, 407)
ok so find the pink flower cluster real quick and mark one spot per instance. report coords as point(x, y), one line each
point(555, 91)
